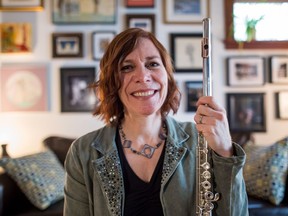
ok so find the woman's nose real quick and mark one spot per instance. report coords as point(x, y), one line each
point(143, 74)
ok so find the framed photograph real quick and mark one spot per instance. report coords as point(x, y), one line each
point(245, 71)
point(185, 12)
point(84, 12)
point(24, 87)
point(194, 90)
point(246, 112)
point(75, 93)
point(140, 3)
point(186, 52)
point(143, 21)
point(282, 104)
point(67, 45)
point(16, 37)
point(21, 5)
point(278, 69)
point(100, 42)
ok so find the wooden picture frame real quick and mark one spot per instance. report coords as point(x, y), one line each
point(75, 93)
point(67, 45)
point(139, 3)
point(246, 112)
point(16, 38)
point(21, 5)
point(100, 42)
point(194, 90)
point(282, 104)
point(24, 87)
point(78, 12)
point(278, 69)
point(185, 49)
point(185, 12)
point(245, 71)
point(143, 21)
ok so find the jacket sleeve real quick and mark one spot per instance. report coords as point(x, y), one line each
point(229, 182)
point(76, 200)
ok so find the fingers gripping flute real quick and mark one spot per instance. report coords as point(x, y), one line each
point(204, 187)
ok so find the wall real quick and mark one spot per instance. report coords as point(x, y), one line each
point(24, 131)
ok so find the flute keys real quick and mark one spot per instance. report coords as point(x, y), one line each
point(206, 175)
point(206, 185)
point(206, 165)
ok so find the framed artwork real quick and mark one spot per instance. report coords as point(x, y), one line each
point(185, 12)
point(282, 104)
point(84, 12)
point(194, 90)
point(246, 112)
point(67, 45)
point(24, 87)
point(245, 71)
point(143, 21)
point(16, 37)
point(140, 3)
point(278, 69)
point(75, 93)
point(21, 5)
point(100, 42)
point(186, 52)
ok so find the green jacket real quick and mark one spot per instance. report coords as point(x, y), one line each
point(94, 182)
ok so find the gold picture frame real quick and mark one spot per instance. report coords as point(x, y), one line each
point(21, 5)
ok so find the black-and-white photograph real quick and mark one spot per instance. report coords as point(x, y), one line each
point(279, 69)
point(194, 90)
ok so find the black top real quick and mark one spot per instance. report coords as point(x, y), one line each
point(141, 198)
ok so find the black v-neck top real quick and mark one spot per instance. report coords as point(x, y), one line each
point(141, 198)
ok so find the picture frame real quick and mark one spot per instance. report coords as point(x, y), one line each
point(67, 45)
point(143, 21)
point(245, 71)
point(278, 69)
point(16, 38)
point(282, 104)
point(194, 90)
point(185, 49)
point(100, 42)
point(246, 112)
point(75, 93)
point(24, 87)
point(139, 3)
point(21, 5)
point(185, 12)
point(81, 12)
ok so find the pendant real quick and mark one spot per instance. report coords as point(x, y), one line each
point(148, 151)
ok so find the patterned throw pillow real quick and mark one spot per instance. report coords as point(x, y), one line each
point(265, 171)
point(40, 177)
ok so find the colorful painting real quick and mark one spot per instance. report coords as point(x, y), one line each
point(15, 37)
point(24, 87)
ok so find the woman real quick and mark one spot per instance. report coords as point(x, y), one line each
point(143, 161)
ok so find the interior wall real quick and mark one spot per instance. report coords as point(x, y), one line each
point(24, 131)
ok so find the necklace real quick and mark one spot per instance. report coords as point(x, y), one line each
point(147, 150)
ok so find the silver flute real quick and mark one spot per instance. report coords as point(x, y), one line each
point(204, 176)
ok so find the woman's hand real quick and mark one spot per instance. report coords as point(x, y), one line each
point(211, 121)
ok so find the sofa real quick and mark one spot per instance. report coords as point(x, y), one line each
point(11, 195)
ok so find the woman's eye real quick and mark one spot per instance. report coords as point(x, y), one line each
point(126, 68)
point(152, 65)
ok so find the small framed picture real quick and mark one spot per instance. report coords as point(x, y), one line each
point(140, 3)
point(67, 45)
point(16, 37)
point(186, 52)
point(245, 71)
point(76, 96)
point(282, 104)
point(100, 42)
point(185, 12)
point(194, 90)
point(143, 21)
point(278, 69)
point(246, 112)
point(84, 12)
point(21, 5)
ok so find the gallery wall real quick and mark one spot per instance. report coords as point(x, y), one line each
point(24, 131)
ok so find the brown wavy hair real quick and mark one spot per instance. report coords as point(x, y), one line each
point(109, 107)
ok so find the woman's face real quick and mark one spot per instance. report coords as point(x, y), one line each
point(144, 81)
